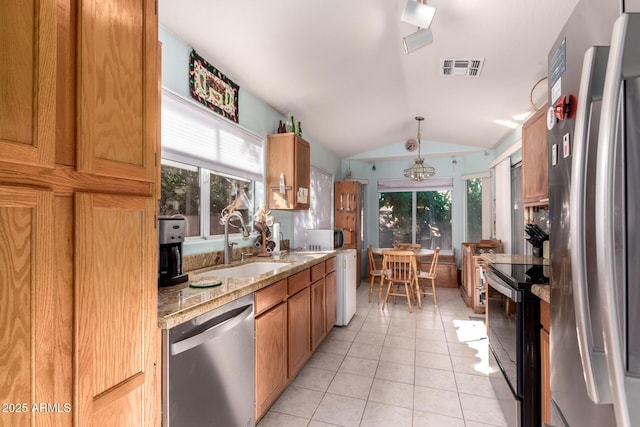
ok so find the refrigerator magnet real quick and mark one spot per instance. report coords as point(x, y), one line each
point(566, 145)
point(554, 154)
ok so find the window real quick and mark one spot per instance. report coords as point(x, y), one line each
point(207, 163)
point(478, 206)
point(474, 210)
point(415, 216)
point(200, 195)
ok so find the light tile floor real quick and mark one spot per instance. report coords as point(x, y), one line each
point(394, 368)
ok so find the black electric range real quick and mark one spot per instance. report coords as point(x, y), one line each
point(522, 275)
point(513, 328)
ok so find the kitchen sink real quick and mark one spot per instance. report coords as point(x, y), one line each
point(244, 271)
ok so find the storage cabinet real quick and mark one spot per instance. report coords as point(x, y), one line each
point(348, 216)
point(535, 168)
point(299, 306)
point(78, 208)
point(545, 362)
point(330, 296)
point(471, 252)
point(292, 318)
point(288, 155)
point(271, 356)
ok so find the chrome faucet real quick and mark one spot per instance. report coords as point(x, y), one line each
point(228, 247)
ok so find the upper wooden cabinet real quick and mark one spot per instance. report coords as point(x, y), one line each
point(117, 113)
point(535, 167)
point(288, 155)
point(28, 35)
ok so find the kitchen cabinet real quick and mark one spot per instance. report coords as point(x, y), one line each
point(78, 210)
point(545, 362)
point(348, 215)
point(289, 157)
point(28, 83)
point(299, 306)
point(471, 252)
point(291, 320)
point(331, 303)
point(117, 117)
point(535, 167)
point(270, 345)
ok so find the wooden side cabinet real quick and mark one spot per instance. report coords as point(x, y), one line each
point(289, 156)
point(545, 362)
point(348, 216)
point(535, 155)
point(270, 345)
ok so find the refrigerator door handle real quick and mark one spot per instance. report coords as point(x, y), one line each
point(624, 63)
point(593, 359)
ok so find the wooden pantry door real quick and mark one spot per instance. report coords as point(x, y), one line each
point(117, 365)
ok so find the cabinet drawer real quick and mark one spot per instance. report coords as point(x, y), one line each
point(298, 281)
point(545, 318)
point(270, 296)
point(330, 265)
point(317, 272)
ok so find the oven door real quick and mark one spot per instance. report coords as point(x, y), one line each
point(504, 330)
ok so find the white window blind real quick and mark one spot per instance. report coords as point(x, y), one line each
point(193, 135)
point(436, 183)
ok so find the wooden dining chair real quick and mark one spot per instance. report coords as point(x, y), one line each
point(374, 273)
point(400, 274)
point(423, 276)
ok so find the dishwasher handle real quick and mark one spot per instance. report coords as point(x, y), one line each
point(223, 323)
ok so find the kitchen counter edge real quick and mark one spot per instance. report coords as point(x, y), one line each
point(180, 303)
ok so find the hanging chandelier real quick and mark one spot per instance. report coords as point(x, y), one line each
point(419, 171)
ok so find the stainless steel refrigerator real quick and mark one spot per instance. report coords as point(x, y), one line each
point(594, 175)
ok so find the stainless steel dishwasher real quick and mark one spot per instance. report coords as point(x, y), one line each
point(208, 369)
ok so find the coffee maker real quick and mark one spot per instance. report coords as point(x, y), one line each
point(170, 236)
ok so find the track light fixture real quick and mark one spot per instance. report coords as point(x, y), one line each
point(421, 15)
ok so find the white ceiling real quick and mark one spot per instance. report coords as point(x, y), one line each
point(339, 65)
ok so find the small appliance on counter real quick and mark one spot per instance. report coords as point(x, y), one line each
point(324, 239)
point(170, 238)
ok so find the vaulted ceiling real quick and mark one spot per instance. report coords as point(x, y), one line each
point(339, 66)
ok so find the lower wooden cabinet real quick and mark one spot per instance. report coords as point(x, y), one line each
point(330, 300)
point(271, 356)
point(318, 324)
point(299, 331)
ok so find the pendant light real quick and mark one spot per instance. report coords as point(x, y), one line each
point(419, 171)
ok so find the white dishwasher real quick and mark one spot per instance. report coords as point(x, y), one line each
point(208, 368)
point(347, 283)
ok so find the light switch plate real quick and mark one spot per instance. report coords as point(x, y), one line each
point(566, 145)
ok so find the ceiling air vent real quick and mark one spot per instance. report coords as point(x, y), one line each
point(461, 67)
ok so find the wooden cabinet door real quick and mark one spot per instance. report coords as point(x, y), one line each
point(535, 168)
point(331, 302)
point(118, 112)
point(116, 298)
point(545, 376)
point(289, 155)
point(318, 324)
point(28, 82)
point(271, 357)
point(299, 331)
point(30, 338)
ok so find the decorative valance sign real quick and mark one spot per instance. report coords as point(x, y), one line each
point(212, 88)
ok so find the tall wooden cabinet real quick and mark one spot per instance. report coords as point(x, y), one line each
point(78, 238)
point(289, 157)
point(348, 214)
point(535, 168)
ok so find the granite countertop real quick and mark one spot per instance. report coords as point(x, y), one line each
point(514, 259)
point(542, 291)
point(180, 303)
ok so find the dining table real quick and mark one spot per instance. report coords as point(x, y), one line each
point(418, 252)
